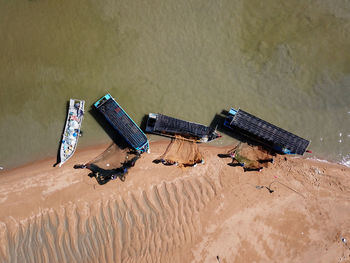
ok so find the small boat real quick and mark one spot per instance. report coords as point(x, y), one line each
point(72, 130)
point(168, 126)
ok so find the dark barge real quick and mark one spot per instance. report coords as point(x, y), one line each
point(168, 126)
point(122, 123)
point(264, 132)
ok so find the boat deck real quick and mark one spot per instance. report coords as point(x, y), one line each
point(265, 132)
point(71, 131)
point(166, 124)
point(122, 123)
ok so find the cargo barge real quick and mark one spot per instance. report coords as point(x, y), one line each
point(122, 123)
point(265, 133)
point(168, 126)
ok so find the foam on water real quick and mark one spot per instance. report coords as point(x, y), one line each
point(346, 161)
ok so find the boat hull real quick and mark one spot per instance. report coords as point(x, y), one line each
point(265, 133)
point(170, 127)
point(71, 131)
point(122, 123)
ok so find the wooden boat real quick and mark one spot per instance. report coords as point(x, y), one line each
point(265, 133)
point(72, 129)
point(168, 126)
point(122, 123)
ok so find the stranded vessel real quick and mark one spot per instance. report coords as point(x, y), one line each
point(122, 123)
point(168, 126)
point(264, 132)
point(72, 130)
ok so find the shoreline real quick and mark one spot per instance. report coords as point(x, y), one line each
point(53, 160)
point(214, 209)
point(99, 146)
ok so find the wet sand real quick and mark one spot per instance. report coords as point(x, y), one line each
point(171, 214)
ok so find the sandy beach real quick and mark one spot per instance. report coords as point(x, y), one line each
point(295, 210)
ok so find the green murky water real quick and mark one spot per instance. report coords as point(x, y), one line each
point(287, 62)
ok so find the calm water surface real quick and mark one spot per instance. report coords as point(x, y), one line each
point(287, 62)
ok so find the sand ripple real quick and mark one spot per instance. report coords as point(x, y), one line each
point(144, 226)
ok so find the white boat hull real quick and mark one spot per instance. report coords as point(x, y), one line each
point(71, 131)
